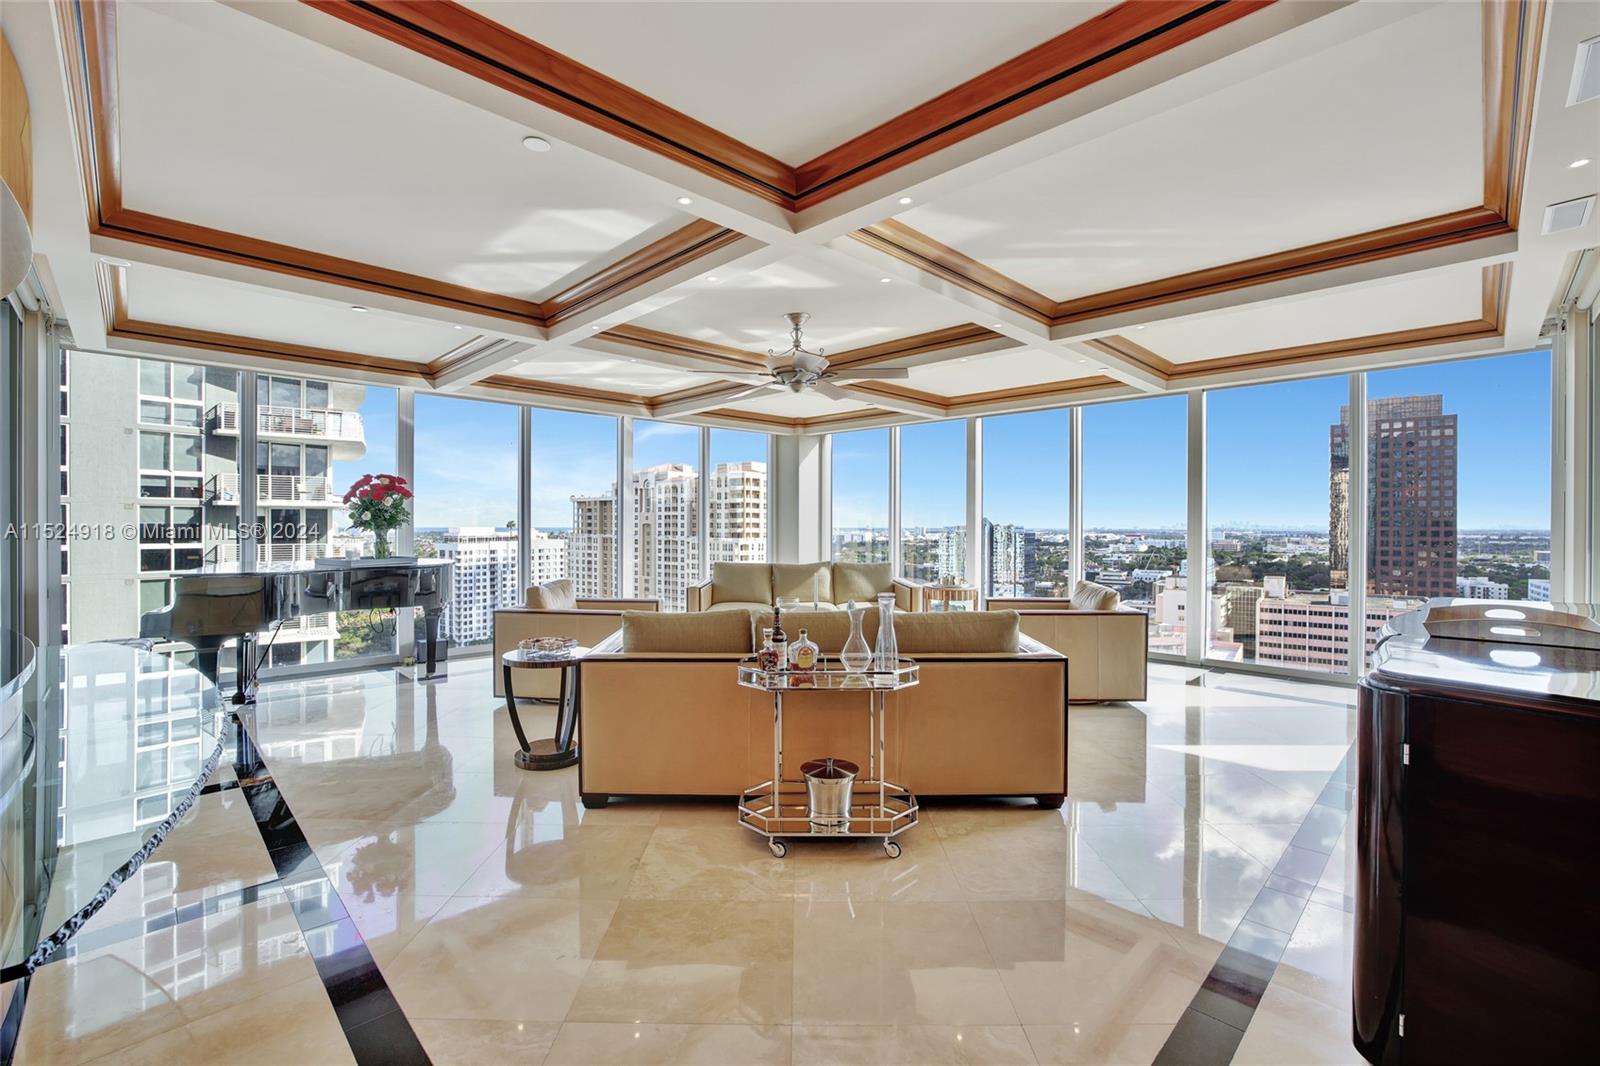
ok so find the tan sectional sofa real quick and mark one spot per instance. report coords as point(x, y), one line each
point(552, 610)
point(753, 586)
point(1108, 644)
point(663, 714)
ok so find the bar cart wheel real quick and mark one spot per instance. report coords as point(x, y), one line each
point(778, 848)
point(891, 848)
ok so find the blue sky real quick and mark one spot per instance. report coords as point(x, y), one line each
point(1267, 455)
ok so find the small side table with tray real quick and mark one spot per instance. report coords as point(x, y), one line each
point(778, 808)
point(559, 751)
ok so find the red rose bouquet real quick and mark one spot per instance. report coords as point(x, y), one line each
point(378, 502)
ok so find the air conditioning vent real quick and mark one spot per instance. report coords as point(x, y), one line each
point(1585, 73)
point(1569, 214)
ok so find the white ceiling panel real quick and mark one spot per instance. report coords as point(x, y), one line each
point(176, 298)
point(1428, 299)
point(848, 309)
point(998, 370)
point(1383, 129)
point(792, 79)
point(595, 371)
point(796, 405)
point(229, 122)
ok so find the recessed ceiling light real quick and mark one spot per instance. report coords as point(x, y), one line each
point(997, 325)
point(1105, 370)
point(884, 281)
point(904, 200)
point(596, 327)
point(535, 144)
point(1569, 214)
point(358, 309)
point(684, 201)
point(455, 327)
point(1576, 163)
point(1138, 327)
point(711, 277)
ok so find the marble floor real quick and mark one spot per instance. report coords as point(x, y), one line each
point(446, 906)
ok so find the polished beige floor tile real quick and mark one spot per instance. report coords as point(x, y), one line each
point(1291, 1027)
point(692, 962)
point(1099, 1044)
point(1176, 862)
point(910, 1045)
point(82, 1009)
point(710, 864)
point(859, 870)
point(390, 922)
point(430, 860)
point(562, 862)
point(1087, 962)
point(902, 963)
point(1033, 860)
point(1317, 961)
point(598, 1043)
point(509, 958)
point(1262, 842)
point(295, 1024)
point(484, 1042)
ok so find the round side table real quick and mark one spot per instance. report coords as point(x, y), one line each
point(557, 751)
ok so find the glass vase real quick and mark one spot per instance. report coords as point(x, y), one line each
point(887, 654)
point(380, 544)
point(856, 655)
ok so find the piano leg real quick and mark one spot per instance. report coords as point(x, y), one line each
point(245, 670)
point(434, 665)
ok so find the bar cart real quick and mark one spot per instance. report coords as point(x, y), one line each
point(778, 808)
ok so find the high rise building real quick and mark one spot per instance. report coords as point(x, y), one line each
point(485, 577)
point(1481, 588)
point(666, 556)
point(1012, 553)
point(737, 521)
point(1313, 632)
point(592, 547)
point(1539, 589)
point(950, 553)
point(162, 441)
point(1411, 505)
point(547, 557)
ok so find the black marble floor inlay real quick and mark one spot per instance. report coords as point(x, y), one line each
point(1211, 1027)
point(374, 1025)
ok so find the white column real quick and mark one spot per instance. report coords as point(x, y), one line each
point(1075, 493)
point(405, 459)
point(977, 558)
point(825, 496)
point(1356, 579)
point(627, 522)
point(39, 481)
point(797, 486)
point(524, 500)
point(896, 526)
point(703, 499)
point(1197, 615)
point(1572, 456)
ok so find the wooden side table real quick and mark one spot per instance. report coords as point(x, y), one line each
point(937, 597)
point(558, 751)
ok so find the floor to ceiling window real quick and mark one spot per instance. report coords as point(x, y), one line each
point(666, 487)
point(370, 632)
point(573, 460)
point(1278, 490)
point(933, 501)
point(1458, 459)
point(860, 479)
point(465, 507)
point(737, 512)
point(1135, 508)
point(1026, 542)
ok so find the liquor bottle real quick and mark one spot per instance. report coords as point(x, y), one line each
point(767, 656)
point(780, 640)
point(803, 654)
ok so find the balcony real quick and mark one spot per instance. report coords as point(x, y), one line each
point(308, 628)
point(228, 552)
point(295, 488)
point(223, 490)
point(344, 430)
point(223, 419)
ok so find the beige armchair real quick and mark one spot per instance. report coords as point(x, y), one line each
point(757, 586)
point(1107, 645)
point(552, 610)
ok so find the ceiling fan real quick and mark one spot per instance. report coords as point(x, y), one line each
point(797, 369)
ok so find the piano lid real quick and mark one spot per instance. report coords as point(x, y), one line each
point(1411, 657)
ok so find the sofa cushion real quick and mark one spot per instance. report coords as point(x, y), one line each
point(978, 632)
point(553, 596)
point(741, 583)
point(739, 605)
point(802, 581)
point(828, 629)
point(1088, 596)
point(861, 582)
point(708, 632)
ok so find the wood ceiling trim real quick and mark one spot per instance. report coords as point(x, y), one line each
point(654, 340)
point(919, 344)
point(928, 255)
point(1513, 34)
point(461, 38)
point(1034, 392)
point(89, 29)
point(1133, 352)
point(560, 391)
point(1112, 41)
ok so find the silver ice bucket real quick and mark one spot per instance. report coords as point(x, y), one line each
point(829, 783)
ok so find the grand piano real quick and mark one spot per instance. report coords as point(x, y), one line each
point(238, 601)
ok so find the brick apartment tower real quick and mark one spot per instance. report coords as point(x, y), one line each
point(1411, 535)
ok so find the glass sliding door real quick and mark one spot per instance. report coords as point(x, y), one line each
point(737, 493)
point(466, 507)
point(1026, 543)
point(666, 494)
point(1135, 509)
point(574, 501)
point(1458, 457)
point(1278, 492)
point(860, 479)
point(933, 501)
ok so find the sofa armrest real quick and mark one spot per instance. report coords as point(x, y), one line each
point(697, 597)
point(513, 624)
point(620, 604)
point(907, 596)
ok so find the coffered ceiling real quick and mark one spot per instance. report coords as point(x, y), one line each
point(1022, 204)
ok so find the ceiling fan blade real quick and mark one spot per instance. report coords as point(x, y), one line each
point(733, 375)
point(882, 373)
point(831, 391)
point(754, 390)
